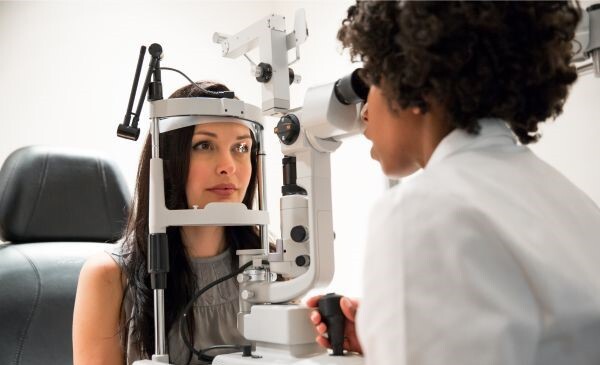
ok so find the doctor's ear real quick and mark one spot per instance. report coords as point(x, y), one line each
point(364, 113)
point(416, 110)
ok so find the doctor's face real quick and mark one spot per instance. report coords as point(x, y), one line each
point(395, 135)
point(220, 165)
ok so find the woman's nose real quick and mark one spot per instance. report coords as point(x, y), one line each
point(226, 164)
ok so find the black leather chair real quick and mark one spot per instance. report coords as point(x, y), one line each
point(57, 207)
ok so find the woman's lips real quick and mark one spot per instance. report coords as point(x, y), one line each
point(223, 189)
point(222, 192)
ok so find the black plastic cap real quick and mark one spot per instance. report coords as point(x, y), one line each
point(128, 132)
point(155, 50)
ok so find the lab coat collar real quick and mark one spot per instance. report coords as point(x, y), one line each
point(492, 132)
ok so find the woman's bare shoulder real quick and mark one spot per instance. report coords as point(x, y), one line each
point(97, 312)
point(102, 270)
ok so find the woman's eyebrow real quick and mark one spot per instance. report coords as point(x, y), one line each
point(210, 134)
point(214, 135)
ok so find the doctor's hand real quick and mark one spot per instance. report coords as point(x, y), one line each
point(349, 307)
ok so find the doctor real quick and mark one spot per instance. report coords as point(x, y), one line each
point(489, 255)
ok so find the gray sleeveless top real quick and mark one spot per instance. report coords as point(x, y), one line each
point(215, 312)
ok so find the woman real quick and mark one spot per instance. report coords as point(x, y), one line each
point(113, 319)
point(489, 255)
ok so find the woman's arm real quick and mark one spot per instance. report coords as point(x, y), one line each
point(97, 311)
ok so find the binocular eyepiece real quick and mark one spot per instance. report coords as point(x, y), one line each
point(351, 89)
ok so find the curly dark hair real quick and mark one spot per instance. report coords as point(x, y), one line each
point(509, 60)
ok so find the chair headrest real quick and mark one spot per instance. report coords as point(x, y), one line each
point(61, 194)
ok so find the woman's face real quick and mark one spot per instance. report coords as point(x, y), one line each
point(395, 135)
point(220, 165)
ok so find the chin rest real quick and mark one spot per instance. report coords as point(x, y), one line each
point(58, 206)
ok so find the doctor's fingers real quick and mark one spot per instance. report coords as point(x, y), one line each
point(315, 317)
point(313, 302)
point(322, 341)
point(349, 307)
point(321, 329)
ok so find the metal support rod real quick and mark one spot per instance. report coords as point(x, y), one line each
point(159, 294)
point(159, 322)
point(155, 138)
point(262, 195)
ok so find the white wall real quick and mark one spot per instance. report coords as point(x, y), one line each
point(66, 73)
point(571, 143)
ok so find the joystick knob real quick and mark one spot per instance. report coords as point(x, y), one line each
point(332, 316)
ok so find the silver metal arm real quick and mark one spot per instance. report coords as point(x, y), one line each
point(269, 35)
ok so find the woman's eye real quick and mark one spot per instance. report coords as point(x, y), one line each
point(241, 148)
point(203, 146)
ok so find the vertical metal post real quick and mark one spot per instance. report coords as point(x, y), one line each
point(159, 322)
point(155, 138)
point(159, 294)
point(262, 186)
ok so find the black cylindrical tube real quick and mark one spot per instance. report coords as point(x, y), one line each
point(351, 89)
point(138, 110)
point(289, 170)
point(158, 260)
point(134, 87)
point(155, 91)
point(289, 186)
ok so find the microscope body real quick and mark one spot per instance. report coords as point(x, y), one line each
point(303, 257)
point(283, 333)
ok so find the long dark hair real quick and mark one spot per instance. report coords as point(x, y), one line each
point(175, 149)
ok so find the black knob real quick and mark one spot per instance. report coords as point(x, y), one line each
point(264, 72)
point(299, 234)
point(331, 313)
point(288, 129)
point(302, 260)
point(155, 50)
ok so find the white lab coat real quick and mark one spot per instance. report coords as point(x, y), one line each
point(488, 257)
